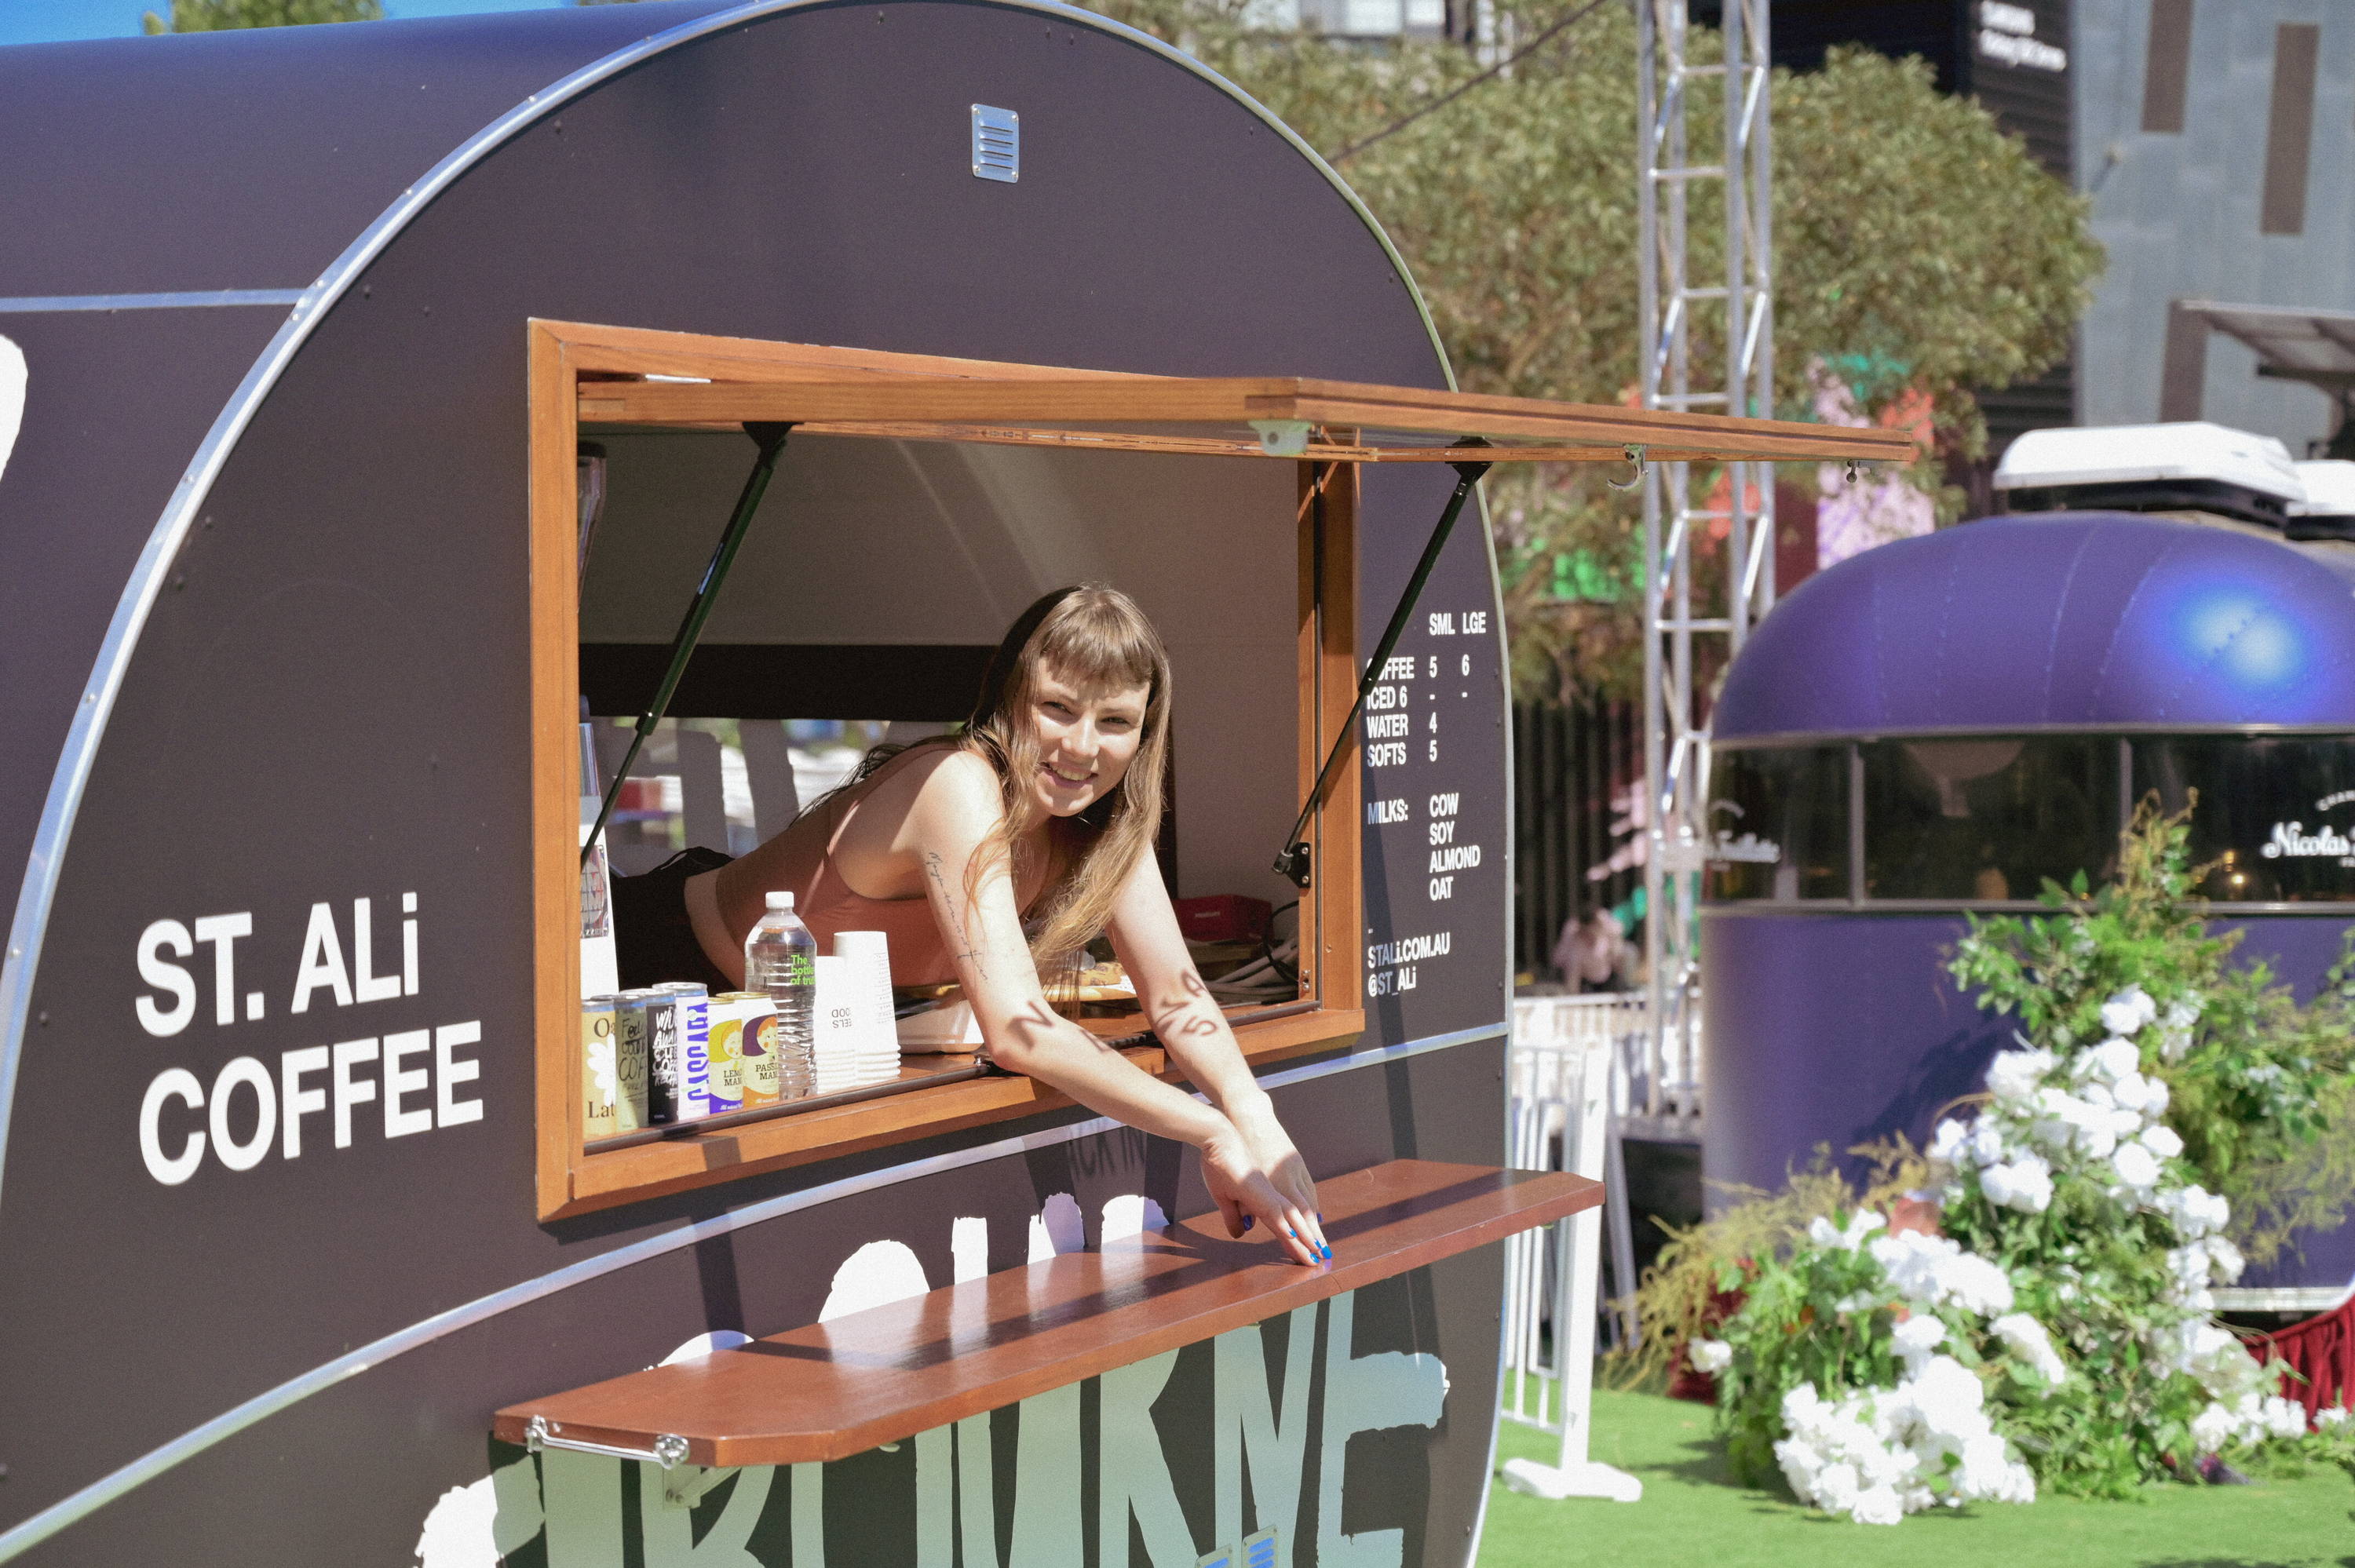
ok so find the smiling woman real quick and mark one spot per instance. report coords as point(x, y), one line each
point(1039, 816)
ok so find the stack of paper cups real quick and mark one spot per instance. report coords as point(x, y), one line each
point(868, 955)
point(834, 1032)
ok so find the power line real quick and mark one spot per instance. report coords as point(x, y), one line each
point(1502, 66)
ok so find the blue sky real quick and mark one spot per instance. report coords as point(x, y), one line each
point(56, 21)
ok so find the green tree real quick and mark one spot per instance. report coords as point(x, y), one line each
point(1912, 236)
point(225, 16)
point(1918, 249)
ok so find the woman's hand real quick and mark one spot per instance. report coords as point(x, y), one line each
point(1255, 1176)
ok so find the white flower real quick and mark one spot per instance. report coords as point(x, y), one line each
point(1976, 1285)
point(2135, 1093)
point(1860, 1224)
point(2212, 1428)
point(2196, 1211)
point(1935, 1271)
point(2026, 1338)
point(1872, 1455)
point(2014, 1075)
point(2174, 1037)
point(2025, 1185)
point(2128, 1012)
point(1947, 1144)
point(2284, 1418)
point(2111, 1060)
point(2332, 1415)
point(1917, 1338)
point(2162, 1141)
point(2137, 1168)
point(1709, 1355)
point(2215, 1360)
point(1987, 1142)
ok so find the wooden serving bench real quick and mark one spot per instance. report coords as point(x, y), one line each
point(832, 1390)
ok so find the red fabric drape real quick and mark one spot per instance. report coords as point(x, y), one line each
point(2321, 1352)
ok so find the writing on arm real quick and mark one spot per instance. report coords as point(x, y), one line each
point(952, 914)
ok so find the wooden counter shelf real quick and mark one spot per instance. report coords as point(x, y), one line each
point(831, 1390)
point(958, 1099)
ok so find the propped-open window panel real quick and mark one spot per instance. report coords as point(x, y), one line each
point(1041, 465)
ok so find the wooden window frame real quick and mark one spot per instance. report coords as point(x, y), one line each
point(571, 1179)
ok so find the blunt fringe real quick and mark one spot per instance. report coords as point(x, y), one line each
point(1095, 637)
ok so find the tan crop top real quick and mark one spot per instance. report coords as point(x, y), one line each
point(827, 904)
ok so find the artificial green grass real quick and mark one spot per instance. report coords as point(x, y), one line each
point(1694, 1512)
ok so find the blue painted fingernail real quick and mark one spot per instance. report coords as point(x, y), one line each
point(1329, 1255)
point(1250, 1220)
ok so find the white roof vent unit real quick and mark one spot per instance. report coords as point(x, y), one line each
point(2189, 467)
point(2329, 510)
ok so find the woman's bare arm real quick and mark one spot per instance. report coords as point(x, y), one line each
point(1189, 1021)
point(952, 816)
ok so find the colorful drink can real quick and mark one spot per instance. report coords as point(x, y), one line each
point(633, 1017)
point(726, 1051)
point(763, 1077)
point(599, 1076)
point(664, 1089)
point(691, 1011)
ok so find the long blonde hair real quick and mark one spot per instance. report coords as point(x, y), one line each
point(1095, 637)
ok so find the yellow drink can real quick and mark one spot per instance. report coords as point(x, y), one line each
point(726, 1073)
point(600, 1071)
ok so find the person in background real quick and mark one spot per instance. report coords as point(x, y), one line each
point(1592, 954)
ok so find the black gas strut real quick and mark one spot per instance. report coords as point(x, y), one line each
point(1293, 860)
point(771, 438)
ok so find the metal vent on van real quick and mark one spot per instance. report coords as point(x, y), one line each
point(997, 144)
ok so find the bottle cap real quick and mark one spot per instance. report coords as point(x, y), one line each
point(781, 901)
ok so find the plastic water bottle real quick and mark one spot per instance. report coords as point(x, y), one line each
point(781, 959)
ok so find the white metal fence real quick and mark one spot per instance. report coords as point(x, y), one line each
point(1584, 1071)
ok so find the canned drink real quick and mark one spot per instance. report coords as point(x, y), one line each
point(662, 1056)
point(598, 1072)
point(633, 1042)
point(727, 1051)
point(693, 1011)
point(763, 1062)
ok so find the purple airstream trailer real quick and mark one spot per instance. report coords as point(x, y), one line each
point(1936, 727)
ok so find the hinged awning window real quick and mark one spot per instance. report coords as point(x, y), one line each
point(1271, 416)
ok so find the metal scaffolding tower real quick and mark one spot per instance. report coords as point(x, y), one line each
point(1737, 503)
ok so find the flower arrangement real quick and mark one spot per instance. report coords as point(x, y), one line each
point(2054, 1324)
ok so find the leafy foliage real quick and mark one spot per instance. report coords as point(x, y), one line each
point(1686, 1290)
point(1918, 248)
point(2255, 1086)
point(227, 16)
point(1911, 236)
point(2065, 1318)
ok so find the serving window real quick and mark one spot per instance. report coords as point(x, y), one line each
point(876, 577)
